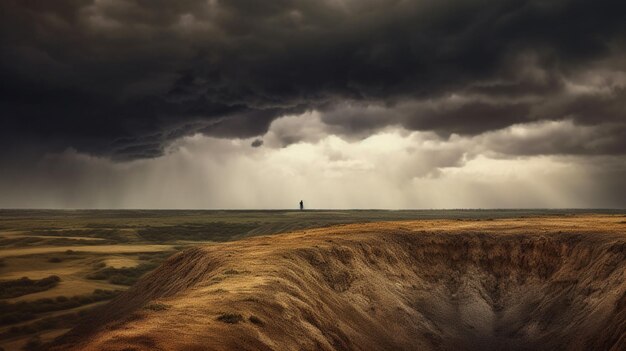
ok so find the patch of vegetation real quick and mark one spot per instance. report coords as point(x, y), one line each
point(230, 318)
point(156, 306)
point(23, 241)
point(124, 275)
point(24, 286)
point(212, 231)
point(129, 275)
point(255, 320)
point(62, 256)
point(110, 234)
point(66, 320)
point(11, 313)
point(20, 241)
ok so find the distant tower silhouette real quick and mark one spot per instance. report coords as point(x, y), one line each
point(301, 205)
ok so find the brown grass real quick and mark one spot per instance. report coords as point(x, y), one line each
point(514, 284)
point(120, 248)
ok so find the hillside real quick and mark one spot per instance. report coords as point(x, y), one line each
point(516, 284)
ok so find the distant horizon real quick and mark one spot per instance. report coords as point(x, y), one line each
point(323, 209)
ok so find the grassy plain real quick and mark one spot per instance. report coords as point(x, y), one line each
point(96, 253)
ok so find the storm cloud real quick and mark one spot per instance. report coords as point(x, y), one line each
point(124, 79)
point(239, 104)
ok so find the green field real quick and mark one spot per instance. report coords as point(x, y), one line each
point(56, 265)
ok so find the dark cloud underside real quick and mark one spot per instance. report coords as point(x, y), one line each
point(125, 78)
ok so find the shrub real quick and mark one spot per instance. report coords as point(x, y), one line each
point(255, 320)
point(24, 286)
point(122, 280)
point(66, 320)
point(97, 276)
point(124, 275)
point(230, 318)
point(11, 313)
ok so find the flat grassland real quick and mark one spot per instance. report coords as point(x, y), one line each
point(55, 266)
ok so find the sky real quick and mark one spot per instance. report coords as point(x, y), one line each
point(240, 104)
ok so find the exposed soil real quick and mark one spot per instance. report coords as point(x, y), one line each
point(516, 284)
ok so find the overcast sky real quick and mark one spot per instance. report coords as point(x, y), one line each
point(340, 103)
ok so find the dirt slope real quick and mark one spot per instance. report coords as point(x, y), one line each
point(527, 284)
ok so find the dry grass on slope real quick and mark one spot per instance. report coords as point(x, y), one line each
point(523, 284)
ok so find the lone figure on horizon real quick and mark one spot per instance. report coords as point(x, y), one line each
point(301, 205)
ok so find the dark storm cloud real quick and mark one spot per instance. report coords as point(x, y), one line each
point(557, 138)
point(443, 117)
point(125, 78)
